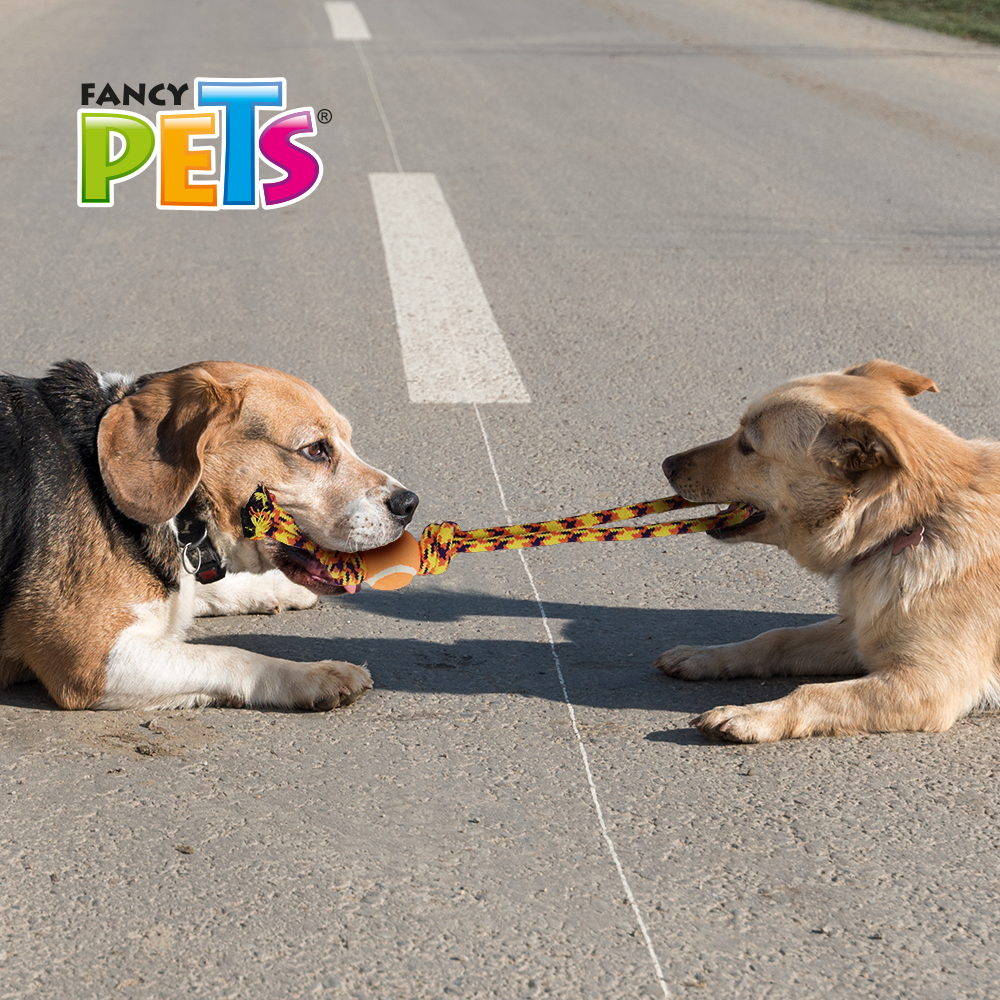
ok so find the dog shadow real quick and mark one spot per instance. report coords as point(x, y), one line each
point(605, 654)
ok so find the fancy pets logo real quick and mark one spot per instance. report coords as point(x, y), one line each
point(115, 146)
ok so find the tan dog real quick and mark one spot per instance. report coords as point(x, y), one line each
point(116, 493)
point(856, 484)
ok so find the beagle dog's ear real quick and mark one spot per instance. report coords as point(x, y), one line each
point(151, 445)
point(849, 446)
point(908, 382)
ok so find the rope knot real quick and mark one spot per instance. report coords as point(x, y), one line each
point(438, 543)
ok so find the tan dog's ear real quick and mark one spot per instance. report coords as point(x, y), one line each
point(150, 446)
point(853, 445)
point(910, 383)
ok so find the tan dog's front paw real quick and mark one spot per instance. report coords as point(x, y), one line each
point(740, 724)
point(695, 663)
point(334, 684)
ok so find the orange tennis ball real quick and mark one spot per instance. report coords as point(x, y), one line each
point(394, 565)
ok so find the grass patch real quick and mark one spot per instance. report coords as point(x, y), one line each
point(976, 19)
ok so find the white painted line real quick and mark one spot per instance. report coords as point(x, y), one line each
point(378, 104)
point(347, 22)
point(453, 350)
point(576, 729)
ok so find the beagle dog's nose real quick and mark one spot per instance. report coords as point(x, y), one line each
point(670, 466)
point(402, 504)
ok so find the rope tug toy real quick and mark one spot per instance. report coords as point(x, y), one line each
point(394, 565)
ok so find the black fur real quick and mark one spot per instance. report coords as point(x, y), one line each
point(51, 491)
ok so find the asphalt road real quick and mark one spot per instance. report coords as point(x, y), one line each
point(671, 207)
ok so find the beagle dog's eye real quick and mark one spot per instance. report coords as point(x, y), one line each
point(744, 445)
point(315, 452)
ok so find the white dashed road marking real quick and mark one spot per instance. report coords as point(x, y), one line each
point(453, 350)
point(347, 22)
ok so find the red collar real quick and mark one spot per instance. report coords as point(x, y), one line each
point(900, 542)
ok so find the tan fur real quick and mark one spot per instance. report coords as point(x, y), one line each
point(844, 466)
point(231, 426)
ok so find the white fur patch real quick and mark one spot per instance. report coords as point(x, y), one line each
point(151, 667)
point(111, 380)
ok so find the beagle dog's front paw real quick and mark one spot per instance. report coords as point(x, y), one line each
point(284, 595)
point(252, 594)
point(331, 684)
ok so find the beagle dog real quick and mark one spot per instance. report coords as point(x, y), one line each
point(117, 492)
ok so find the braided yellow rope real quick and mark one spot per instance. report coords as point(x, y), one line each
point(264, 518)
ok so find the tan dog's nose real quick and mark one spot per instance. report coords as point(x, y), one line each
point(670, 466)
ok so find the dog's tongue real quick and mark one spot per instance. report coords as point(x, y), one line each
point(352, 588)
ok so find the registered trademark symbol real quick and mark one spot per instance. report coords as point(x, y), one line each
point(324, 116)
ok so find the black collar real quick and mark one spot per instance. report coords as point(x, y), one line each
point(198, 554)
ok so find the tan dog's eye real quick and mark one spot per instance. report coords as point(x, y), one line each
point(315, 452)
point(744, 445)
